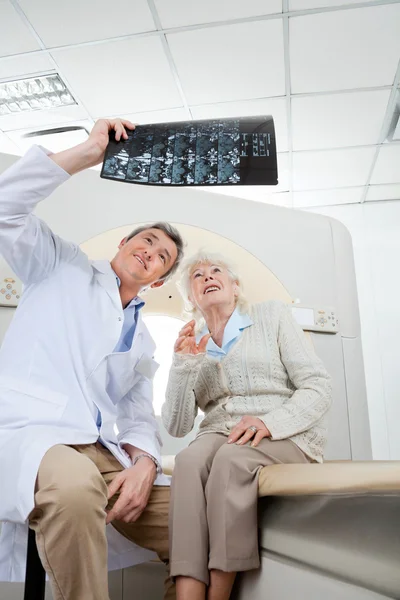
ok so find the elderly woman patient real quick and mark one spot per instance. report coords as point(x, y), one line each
point(264, 394)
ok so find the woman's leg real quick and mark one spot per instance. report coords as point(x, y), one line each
point(221, 585)
point(231, 495)
point(189, 541)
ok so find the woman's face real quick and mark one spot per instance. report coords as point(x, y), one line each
point(211, 285)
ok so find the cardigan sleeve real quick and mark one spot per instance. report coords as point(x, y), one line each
point(180, 408)
point(313, 394)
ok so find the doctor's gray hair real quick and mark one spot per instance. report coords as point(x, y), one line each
point(172, 233)
point(202, 257)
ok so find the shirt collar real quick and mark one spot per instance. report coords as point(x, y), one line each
point(237, 322)
point(136, 302)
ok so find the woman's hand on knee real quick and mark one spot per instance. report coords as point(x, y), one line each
point(249, 428)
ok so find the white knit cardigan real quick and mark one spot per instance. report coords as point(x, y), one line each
point(272, 372)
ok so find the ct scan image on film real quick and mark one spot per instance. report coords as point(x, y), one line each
point(239, 151)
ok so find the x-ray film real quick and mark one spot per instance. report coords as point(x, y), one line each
point(239, 151)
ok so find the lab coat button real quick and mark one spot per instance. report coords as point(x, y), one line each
point(119, 318)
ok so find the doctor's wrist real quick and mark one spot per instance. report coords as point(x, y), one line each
point(80, 157)
point(148, 458)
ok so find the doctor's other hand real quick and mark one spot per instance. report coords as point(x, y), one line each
point(134, 486)
point(186, 342)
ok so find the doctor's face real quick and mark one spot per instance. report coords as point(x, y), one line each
point(145, 259)
point(210, 286)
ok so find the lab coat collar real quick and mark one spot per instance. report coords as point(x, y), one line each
point(106, 277)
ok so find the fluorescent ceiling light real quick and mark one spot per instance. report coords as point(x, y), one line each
point(37, 93)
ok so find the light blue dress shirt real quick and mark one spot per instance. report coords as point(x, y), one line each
point(232, 333)
point(131, 314)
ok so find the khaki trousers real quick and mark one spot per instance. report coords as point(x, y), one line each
point(69, 521)
point(213, 512)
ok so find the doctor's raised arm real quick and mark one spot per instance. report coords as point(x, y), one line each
point(29, 246)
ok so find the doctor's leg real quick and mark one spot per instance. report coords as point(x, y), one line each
point(69, 521)
point(151, 528)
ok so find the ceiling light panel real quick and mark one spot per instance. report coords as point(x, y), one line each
point(231, 62)
point(346, 49)
point(338, 120)
point(178, 13)
point(15, 37)
point(38, 93)
point(60, 23)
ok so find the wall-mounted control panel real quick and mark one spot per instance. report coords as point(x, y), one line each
point(323, 319)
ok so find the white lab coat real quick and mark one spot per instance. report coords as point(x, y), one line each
point(57, 361)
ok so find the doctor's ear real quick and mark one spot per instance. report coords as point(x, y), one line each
point(157, 284)
point(122, 243)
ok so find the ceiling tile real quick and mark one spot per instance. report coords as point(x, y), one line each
point(307, 4)
point(327, 197)
point(7, 146)
point(283, 174)
point(387, 167)
point(59, 23)
point(390, 191)
point(338, 120)
point(177, 13)
point(262, 106)
point(42, 118)
point(122, 84)
point(15, 37)
point(158, 116)
point(344, 49)
point(331, 168)
point(257, 193)
point(24, 66)
point(233, 62)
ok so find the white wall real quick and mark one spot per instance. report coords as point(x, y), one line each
point(375, 229)
point(6, 314)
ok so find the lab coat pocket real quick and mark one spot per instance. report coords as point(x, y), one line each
point(146, 366)
point(24, 403)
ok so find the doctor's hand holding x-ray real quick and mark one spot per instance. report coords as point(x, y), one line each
point(91, 152)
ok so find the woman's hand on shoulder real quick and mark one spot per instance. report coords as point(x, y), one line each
point(249, 428)
point(186, 342)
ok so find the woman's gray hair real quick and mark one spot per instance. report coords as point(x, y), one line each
point(202, 257)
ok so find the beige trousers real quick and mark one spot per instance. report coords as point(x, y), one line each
point(213, 512)
point(69, 521)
